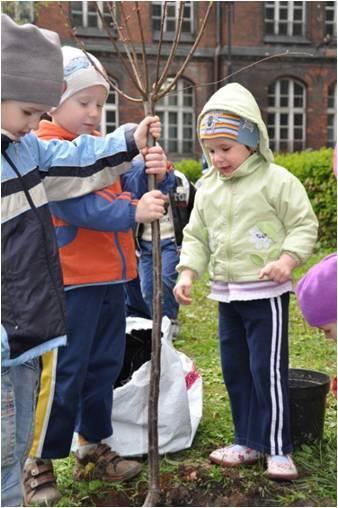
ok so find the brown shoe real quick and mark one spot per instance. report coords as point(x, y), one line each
point(102, 463)
point(39, 483)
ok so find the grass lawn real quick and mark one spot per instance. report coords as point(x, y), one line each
point(187, 477)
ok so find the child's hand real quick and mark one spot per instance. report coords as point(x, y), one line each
point(150, 207)
point(279, 271)
point(150, 124)
point(182, 290)
point(155, 162)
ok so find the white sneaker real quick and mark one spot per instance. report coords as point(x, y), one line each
point(234, 455)
point(281, 467)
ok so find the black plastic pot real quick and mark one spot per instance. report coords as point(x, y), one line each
point(307, 393)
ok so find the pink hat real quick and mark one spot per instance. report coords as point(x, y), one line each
point(317, 292)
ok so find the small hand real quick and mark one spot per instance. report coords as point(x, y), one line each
point(183, 288)
point(155, 162)
point(150, 207)
point(150, 124)
point(280, 270)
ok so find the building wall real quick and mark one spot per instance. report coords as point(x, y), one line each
point(316, 69)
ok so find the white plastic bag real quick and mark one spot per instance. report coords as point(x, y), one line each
point(180, 401)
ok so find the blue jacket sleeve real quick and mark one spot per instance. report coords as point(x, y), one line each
point(97, 211)
point(103, 212)
point(74, 168)
point(135, 180)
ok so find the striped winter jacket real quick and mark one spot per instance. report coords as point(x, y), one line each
point(33, 173)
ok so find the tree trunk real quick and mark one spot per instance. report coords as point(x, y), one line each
point(153, 496)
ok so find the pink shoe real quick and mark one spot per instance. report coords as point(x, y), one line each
point(234, 455)
point(281, 467)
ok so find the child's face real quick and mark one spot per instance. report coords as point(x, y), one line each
point(19, 118)
point(226, 155)
point(330, 330)
point(81, 113)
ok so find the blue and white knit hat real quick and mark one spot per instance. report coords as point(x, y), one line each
point(80, 73)
point(220, 124)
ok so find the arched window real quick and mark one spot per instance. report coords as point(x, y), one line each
point(177, 113)
point(110, 114)
point(286, 115)
point(332, 116)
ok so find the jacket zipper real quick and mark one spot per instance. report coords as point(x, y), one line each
point(229, 221)
point(44, 233)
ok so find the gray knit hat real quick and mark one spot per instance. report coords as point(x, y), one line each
point(31, 64)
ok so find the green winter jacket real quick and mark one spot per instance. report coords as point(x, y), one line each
point(243, 221)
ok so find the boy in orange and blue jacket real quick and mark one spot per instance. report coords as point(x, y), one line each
point(97, 252)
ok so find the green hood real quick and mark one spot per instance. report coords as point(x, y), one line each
point(234, 98)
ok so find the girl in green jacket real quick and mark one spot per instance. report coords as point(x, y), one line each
point(251, 225)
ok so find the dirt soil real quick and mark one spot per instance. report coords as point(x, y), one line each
point(190, 486)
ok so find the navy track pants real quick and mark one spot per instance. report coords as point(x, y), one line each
point(77, 380)
point(254, 357)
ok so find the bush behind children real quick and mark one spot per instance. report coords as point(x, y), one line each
point(33, 173)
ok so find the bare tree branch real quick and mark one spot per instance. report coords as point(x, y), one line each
point(253, 64)
point(130, 39)
point(148, 98)
point(158, 57)
point(116, 47)
point(124, 41)
point(188, 58)
point(80, 43)
point(172, 53)
point(122, 94)
point(144, 53)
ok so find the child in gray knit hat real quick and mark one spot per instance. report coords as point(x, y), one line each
point(35, 172)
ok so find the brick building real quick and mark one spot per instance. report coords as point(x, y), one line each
point(296, 91)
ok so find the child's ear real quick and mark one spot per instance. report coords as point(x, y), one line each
point(251, 150)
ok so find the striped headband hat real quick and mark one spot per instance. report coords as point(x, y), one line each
point(218, 124)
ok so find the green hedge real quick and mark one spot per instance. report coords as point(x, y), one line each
point(191, 168)
point(314, 170)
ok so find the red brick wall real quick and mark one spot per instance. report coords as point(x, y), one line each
point(51, 16)
point(247, 26)
point(247, 32)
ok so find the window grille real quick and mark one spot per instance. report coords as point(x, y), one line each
point(285, 18)
point(84, 13)
point(172, 16)
point(331, 19)
point(287, 115)
point(177, 113)
point(110, 114)
point(332, 116)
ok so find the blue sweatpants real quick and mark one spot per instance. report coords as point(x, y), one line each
point(170, 259)
point(254, 356)
point(77, 380)
point(135, 304)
